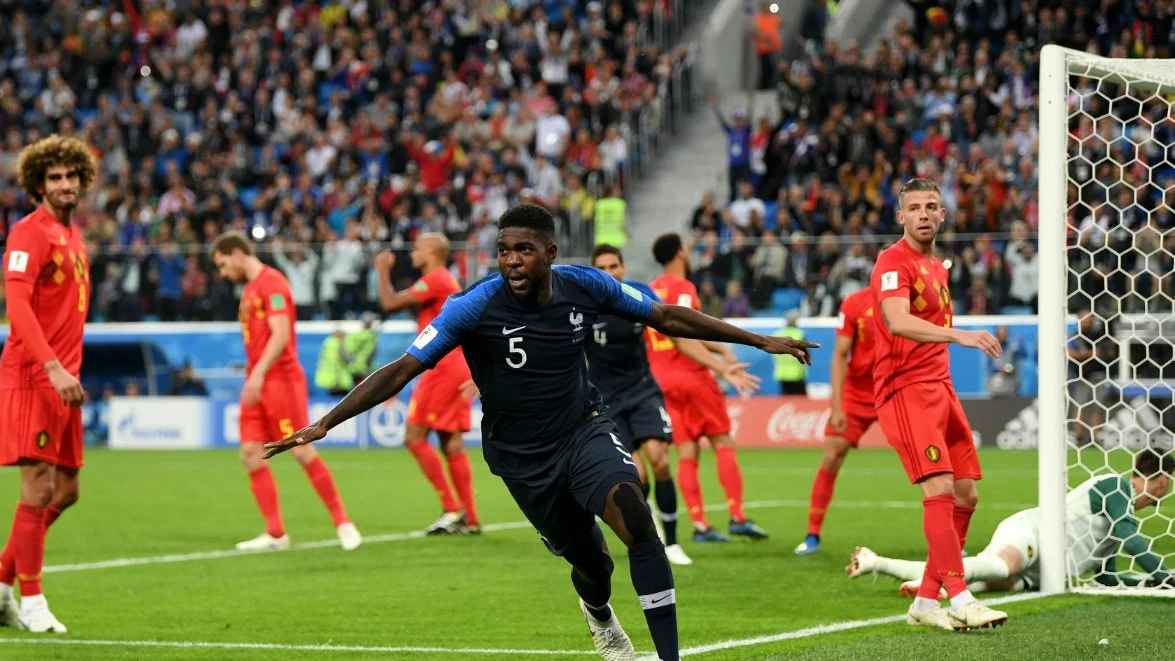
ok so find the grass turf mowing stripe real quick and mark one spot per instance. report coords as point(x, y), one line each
point(689, 651)
point(492, 527)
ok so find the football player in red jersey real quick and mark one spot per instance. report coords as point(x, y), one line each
point(48, 279)
point(853, 410)
point(917, 405)
point(696, 404)
point(441, 400)
point(275, 401)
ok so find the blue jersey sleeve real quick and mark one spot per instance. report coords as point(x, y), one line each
point(611, 295)
point(644, 289)
point(458, 317)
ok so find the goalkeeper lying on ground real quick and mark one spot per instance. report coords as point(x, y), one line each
point(1101, 524)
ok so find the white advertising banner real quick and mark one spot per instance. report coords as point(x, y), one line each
point(158, 423)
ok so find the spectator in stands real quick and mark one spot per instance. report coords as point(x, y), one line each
point(791, 374)
point(301, 268)
point(1025, 278)
point(768, 42)
point(738, 145)
point(769, 266)
point(735, 303)
point(1004, 372)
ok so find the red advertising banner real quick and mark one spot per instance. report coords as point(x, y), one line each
point(786, 422)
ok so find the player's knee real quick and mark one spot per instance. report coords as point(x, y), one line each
point(305, 454)
point(634, 512)
point(38, 493)
point(966, 493)
point(721, 441)
point(834, 458)
point(941, 484)
point(661, 470)
point(251, 456)
point(590, 555)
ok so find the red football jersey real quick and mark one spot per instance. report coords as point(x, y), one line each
point(432, 291)
point(899, 362)
point(856, 322)
point(51, 258)
point(665, 360)
point(266, 296)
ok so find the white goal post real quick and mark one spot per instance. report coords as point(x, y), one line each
point(1106, 152)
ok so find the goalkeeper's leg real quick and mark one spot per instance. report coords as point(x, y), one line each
point(989, 566)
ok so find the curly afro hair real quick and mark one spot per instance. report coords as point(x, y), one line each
point(36, 159)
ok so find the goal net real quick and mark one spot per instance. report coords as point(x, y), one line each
point(1107, 327)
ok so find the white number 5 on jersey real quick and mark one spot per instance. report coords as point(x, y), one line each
point(516, 350)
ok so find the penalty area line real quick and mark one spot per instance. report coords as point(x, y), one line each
point(492, 527)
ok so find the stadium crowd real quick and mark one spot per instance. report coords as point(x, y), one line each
point(325, 128)
point(953, 97)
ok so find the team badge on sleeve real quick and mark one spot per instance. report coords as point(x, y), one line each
point(631, 291)
point(18, 261)
point(420, 286)
point(889, 280)
point(277, 302)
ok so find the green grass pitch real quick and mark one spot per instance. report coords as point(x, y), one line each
point(502, 595)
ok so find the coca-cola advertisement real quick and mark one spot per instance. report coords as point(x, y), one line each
point(786, 422)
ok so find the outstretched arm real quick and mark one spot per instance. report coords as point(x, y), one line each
point(383, 384)
point(735, 373)
point(680, 321)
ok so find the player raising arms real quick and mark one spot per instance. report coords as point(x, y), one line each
point(442, 397)
point(917, 406)
point(275, 399)
point(619, 366)
point(853, 410)
point(1101, 524)
point(544, 427)
point(48, 278)
point(695, 402)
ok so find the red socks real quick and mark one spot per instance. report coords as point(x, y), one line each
point(28, 546)
point(462, 474)
point(691, 491)
point(324, 485)
point(265, 492)
point(945, 565)
point(822, 489)
point(8, 555)
point(430, 464)
point(962, 522)
point(732, 481)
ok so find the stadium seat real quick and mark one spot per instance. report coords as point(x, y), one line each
point(785, 299)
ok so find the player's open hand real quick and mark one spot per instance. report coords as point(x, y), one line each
point(838, 420)
point(303, 436)
point(67, 387)
point(982, 340)
point(789, 346)
point(251, 393)
point(744, 382)
point(469, 390)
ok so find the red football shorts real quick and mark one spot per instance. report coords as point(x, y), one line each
point(926, 424)
point(37, 425)
point(860, 414)
point(696, 407)
point(437, 402)
point(283, 409)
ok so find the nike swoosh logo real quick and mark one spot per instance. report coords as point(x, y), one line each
point(506, 331)
point(657, 601)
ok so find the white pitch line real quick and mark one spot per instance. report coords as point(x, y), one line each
point(181, 644)
point(808, 632)
point(829, 628)
point(492, 527)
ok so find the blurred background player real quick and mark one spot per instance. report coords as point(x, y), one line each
point(695, 403)
point(853, 410)
point(545, 428)
point(443, 395)
point(789, 373)
point(918, 408)
point(1101, 524)
point(275, 400)
point(619, 366)
point(48, 278)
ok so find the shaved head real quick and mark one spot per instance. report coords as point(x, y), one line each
point(430, 250)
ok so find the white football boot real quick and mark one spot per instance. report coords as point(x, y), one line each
point(9, 609)
point(976, 615)
point(611, 641)
point(35, 616)
point(677, 555)
point(265, 542)
point(349, 536)
point(929, 617)
point(448, 523)
point(863, 561)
